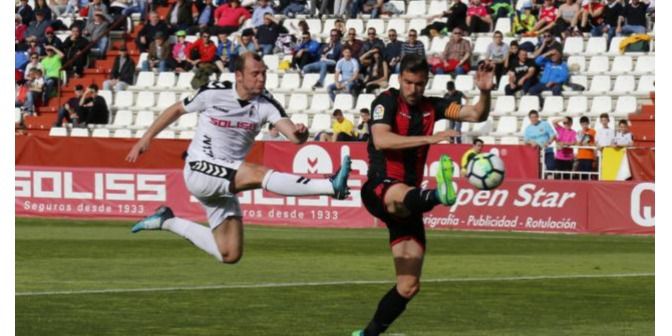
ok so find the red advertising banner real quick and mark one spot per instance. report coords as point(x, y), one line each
point(622, 207)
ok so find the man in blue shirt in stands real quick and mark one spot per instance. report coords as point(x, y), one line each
point(347, 73)
point(555, 73)
point(539, 134)
point(307, 52)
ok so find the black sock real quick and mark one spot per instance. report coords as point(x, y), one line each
point(389, 308)
point(421, 200)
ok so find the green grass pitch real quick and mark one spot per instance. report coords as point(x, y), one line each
point(305, 282)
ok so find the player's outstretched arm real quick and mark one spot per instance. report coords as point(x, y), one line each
point(296, 133)
point(167, 117)
point(384, 138)
point(481, 110)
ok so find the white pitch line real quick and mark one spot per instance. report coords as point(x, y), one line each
point(330, 283)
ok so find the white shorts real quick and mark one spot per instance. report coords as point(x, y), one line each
point(209, 181)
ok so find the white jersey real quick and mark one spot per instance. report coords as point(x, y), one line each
point(228, 125)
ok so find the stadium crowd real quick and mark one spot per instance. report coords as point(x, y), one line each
point(361, 64)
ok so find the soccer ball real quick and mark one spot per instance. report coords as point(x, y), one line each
point(485, 171)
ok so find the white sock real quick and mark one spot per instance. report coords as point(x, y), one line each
point(295, 185)
point(199, 235)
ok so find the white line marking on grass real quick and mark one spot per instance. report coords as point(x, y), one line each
point(331, 283)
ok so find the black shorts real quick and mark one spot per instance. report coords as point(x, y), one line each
point(400, 228)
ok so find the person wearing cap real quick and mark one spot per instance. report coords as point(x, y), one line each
point(122, 73)
point(98, 6)
point(229, 17)
point(50, 39)
point(37, 27)
point(69, 110)
point(51, 64)
point(178, 59)
point(95, 30)
point(158, 55)
point(149, 30)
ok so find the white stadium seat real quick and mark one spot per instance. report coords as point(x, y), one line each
point(399, 25)
point(320, 103)
point(166, 134)
point(580, 60)
point(437, 7)
point(184, 80)
point(139, 133)
point(624, 84)
point(187, 121)
point(625, 105)
point(509, 140)
point(344, 102)
point(441, 125)
point(394, 81)
point(299, 118)
point(327, 27)
point(553, 106)
point(601, 104)
point(464, 83)
point(488, 140)
point(377, 24)
point(577, 105)
point(364, 101)
point(17, 115)
point(614, 48)
point(227, 76)
point(166, 80)
point(503, 25)
point(527, 104)
point(418, 25)
point(621, 65)
point(280, 98)
point(504, 105)
point(123, 118)
point(596, 46)
point(506, 125)
point(439, 84)
point(272, 62)
point(308, 81)
point(100, 133)
point(58, 131)
point(321, 122)
point(438, 44)
point(143, 57)
point(298, 102)
point(166, 98)
point(144, 119)
point(272, 81)
point(645, 84)
point(645, 65)
point(122, 133)
point(484, 127)
point(576, 79)
point(107, 95)
point(573, 45)
point(416, 9)
point(481, 45)
point(145, 100)
point(600, 85)
point(123, 99)
point(357, 24)
point(290, 82)
point(188, 135)
point(598, 65)
point(314, 25)
point(145, 80)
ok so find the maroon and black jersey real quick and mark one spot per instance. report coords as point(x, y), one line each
point(406, 165)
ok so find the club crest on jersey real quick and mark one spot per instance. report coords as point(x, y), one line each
point(378, 112)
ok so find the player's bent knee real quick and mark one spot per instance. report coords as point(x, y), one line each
point(408, 289)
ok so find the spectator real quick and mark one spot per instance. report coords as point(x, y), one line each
point(478, 19)
point(158, 56)
point(35, 89)
point(330, 53)
point(548, 14)
point(51, 64)
point(69, 110)
point(323, 5)
point(512, 55)
point(362, 131)
point(339, 25)
point(36, 28)
point(19, 30)
point(457, 18)
point(353, 43)
point(34, 47)
point(392, 51)
point(50, 39)
point(33, 63)
point(525, 22)
point(229, 17)
point(497, 52)
point(41, 6)
point(554, 76)
point(454, 94)
point(340, 7)
point(540, 135)
point(592, 17)
point(268, 33)
point(469, 155)
point(147, 34)
point(138, 6)
point(347, 73)
point(412, 46)
point(377, 71)
point(567, 22)
point(179, 57)
point(522, 74)
point(612, 11)
point(456, 55)
point(295, 7)
point(225, 50)
point(95, 30)
point(273, 134)
point(92, 108)
point(623, 137)
point(181, 15)
point(201, 54)
point(98, 6)
point(564, 155)
point(205, 17)
point(632, 19)
point(58, 7)
point(371, 43)
point(246, 43)
point(585, 156)
point(342, 128)
point(25, 11)
point(373, 7)
point(122, 73)
point(73, 48)
point(548, 43)
point(604, 135)
point(259, 13)
point(305, 53)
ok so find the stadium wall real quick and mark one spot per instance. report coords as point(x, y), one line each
point(89, 178)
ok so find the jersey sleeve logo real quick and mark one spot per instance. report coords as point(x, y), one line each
point(378, 112)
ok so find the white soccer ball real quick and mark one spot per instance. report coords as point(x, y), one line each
point(485, 171)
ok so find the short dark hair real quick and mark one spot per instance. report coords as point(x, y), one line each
point(450, 85)
point(584, 119)
point(477, 141)
point(79, 87)
point(239, 63)
point(414, 63)
point(392, 30)
point(604, 115)
point(270, 126)
point(364, 110)
point(513, 43)
point(337, 112)
point(412, 31)
point(623, 122)
point(93, 87)
point(533, 112)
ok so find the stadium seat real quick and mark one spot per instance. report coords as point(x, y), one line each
point(438, 45)
point(327, 81)
point(100, 133)
point(139, 133)
point(394, 81)
point(123, 99)
point(17, 115)
point(532, 40)
point(601, 104)
point(645, 65)
point(299, 118)
point(228, 76)
point(350, 116)
point(145, 80)
point(577, 105)
point(598, 65)
point(290, 82)
point(377, 24)
point(280, 98)
point(481, 45)
point(344, 102)
point(143, 57)
point(425, 42)
point(58, 131)
point(418, 25)
point(488, 140)
point(166, 80)
point(503, 25)
point(187, 121)
point(364, 100)
point(272, 62)
point(107, 95)
point(502, 85)
point(416, 9)
point(187, 135)
point(506, 125)
point(596, 46)
point(145, 100)
point(526, 122)
point(122, 133)
point(400, 5)
point(327, 27)
point(166, 134)
point(320, 103)
point(357, 24)
point(441, 125)
point(580, 60)
point(143, 119)
point(614, 48)
point(576, 79)
point(439, 84)
point(399, 25)
point(484, 127)
point(621, 65)
point(504, 105)
point(298, 102)
point(553, 106)
point(625, 105)
point(573, 46)
point(646, 84)
point(308, 81)
point(315, 26)
point(464, 83)
point(600, 85)
point(184, 80)
point(272, 81)
point(122, 118)
point(510, 140)
point(321, 122)
point(437, 7)
point(624, 84)
point(527, 104)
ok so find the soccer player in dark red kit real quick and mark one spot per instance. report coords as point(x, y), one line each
point(402, 130)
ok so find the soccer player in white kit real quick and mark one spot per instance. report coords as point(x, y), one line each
point(230, 116)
